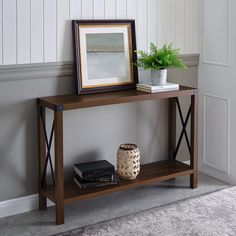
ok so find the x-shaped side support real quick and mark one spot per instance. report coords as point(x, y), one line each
point(184, 125)
point(48, 156)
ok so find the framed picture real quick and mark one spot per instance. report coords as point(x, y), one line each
point(104, 55)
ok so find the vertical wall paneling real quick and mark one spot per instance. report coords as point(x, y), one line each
point(23, 31)
point(142, 24)
point(132, 9)
point(189, 26)
point(170, 21)
point(161, 22)
point(180, 25)
point(196, 26)
point(121, 11)
point(64, 31)
point(75, 9)
point(9, 32)
point(87, 9)
point(152, 22)
point(37, 31)
point(50, 31)
point(1, 16)
point(99, 9)
point(132, 13)
point(110, 9)
point(142, 34)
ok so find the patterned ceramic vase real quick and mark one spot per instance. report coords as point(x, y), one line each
point(128, 161)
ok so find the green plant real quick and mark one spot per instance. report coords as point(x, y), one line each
point(158, 59)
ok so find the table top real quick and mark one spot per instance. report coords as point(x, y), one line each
point(70, 102)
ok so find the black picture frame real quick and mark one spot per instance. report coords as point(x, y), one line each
point(76, 24)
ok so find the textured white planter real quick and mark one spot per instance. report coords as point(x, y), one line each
point(128, 161)
point(158, 77)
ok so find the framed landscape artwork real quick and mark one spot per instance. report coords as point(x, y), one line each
point(104, 55)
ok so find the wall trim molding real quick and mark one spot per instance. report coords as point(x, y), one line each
point(204, 161)
point(36, 71)
point(190, 60)
point(58, 69)
point(20, 205)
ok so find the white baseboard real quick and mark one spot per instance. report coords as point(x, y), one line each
point(20, 205)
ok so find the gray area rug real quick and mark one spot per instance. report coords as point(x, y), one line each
point(209, 215)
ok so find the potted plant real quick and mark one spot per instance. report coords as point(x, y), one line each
point(158, 60)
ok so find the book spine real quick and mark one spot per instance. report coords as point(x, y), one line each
point(157, 90)
point(101, 179)
point(97, 174)
point(77, 171)
point(144, 90)
point(93, 184)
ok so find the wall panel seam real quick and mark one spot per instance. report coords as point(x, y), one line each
point(43, 32)
point(147, 35)
point(93, 10)
point(184, 49)
point(16, 32)
point(2, 29)
point(30, 32)
point(56, 30)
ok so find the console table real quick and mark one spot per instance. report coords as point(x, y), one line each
point(66, 193)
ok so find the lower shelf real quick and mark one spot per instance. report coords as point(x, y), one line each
point(149, 173)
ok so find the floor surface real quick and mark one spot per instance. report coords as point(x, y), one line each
point(103, 208)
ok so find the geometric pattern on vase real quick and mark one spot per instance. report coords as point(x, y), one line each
point(128, 161)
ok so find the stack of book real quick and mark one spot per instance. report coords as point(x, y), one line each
point(157, 88)
point(95, 174)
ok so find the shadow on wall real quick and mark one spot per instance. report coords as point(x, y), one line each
point(92, 155)
point(18, 162)
point(18, 132)
point(152, 127)
point(152, 136)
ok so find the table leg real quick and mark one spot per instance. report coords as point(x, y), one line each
point(59, 180)
point(194, 141)
point(41, 156)
point(172, 128)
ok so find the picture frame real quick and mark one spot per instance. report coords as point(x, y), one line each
point(104, 55)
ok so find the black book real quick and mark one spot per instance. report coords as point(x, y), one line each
point(94, 169)
point(105, 178)
point(83, 184)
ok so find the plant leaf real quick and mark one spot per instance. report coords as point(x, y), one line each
point(161, 58)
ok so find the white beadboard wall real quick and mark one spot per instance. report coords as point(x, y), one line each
point(37, 31)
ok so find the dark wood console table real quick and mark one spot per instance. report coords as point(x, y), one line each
point(65, 193)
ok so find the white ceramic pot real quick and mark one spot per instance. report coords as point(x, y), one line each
point(158, 77)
